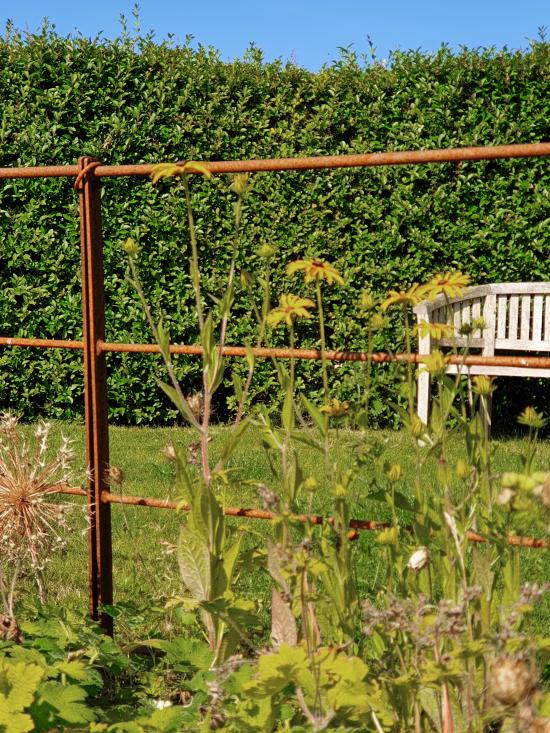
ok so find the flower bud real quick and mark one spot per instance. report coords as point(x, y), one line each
point(240, 184)
point(310, 484)
point(131, 247)
point(505, 497)
point(419, 559)
point(266, 251)
point(394, 472)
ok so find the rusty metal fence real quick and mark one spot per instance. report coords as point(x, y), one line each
point(87, 174)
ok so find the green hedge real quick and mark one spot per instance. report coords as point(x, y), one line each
point(133, 100)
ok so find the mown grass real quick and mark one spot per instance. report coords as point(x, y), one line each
point(146, 576)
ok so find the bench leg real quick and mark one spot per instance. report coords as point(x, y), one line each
point(423, 395)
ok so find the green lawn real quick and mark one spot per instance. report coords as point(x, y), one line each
point(146, 576)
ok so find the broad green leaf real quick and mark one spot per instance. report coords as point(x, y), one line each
point(68, 702)
point(194, 564)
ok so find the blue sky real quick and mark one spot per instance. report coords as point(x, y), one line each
point(307, 31)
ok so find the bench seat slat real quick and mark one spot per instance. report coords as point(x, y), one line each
point(503, 371)
point(519, 345)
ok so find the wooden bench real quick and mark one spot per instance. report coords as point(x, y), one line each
point(516, 317)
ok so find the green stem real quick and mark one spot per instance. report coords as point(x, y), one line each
point(195, 273)
point(135, 281)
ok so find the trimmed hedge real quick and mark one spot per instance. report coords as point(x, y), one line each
point(132, 100)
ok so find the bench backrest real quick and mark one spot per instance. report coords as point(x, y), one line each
point(516, 317)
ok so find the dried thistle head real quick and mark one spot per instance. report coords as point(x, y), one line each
point(30, 525)
point(512, 680)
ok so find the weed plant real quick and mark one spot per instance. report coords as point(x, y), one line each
point(442, 646)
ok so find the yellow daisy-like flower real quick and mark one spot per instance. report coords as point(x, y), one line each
point(167, 170)
point(316, 269)
point(435, 363)
point(434, 330)
point(289, 307)
point(450, 284)
point(335, 408)
point(532, 419)
point(414, 295)
point(483, 385)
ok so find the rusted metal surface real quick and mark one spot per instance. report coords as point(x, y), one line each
point(378, 357)
point(42, 171)
point(100, 571)
point(40, 343)
point(409, 157)
point(366, 160)
point(359, 524)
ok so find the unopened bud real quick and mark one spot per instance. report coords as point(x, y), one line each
point(131, 247)
point(419, 559)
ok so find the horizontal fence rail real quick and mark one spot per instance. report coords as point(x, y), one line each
point(366, 160)
point(376, 357)
point(316, 519)
point(87, 174)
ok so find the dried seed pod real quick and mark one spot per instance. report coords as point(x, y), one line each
point(169, 452)
point(512, 680)
point(539, 725)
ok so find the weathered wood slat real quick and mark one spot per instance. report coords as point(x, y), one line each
point(502, 301)
point(513, 318)
point(538, 302)
point(517, 319)
point(525, 325)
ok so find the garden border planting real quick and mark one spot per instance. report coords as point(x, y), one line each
point(88, 173)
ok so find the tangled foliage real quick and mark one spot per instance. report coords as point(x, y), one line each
point(134, 100)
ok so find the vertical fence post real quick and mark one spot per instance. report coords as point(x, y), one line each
point(100, 571)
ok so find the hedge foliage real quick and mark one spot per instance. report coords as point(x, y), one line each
point(133, 100)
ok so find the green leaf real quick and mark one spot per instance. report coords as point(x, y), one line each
point(316, 415)
point(68, 702)
point(194, 564)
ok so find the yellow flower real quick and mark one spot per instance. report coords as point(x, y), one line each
point(266, 251)
point(166, 170)
point(414, 295)
point(532, 419)
point(434, 330)
point(366, 302)
point(393, 472)
point(240, 184)
point(131, 247)
point(435, 363)
point(377, 322)
point(450, 284)
point(483, 385)
point(335, 408)
point(316, 269)
point(290, 306)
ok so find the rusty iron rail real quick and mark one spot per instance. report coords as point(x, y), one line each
point(377, 357)
point(87, 174)
point(361, 160)
point(360, 525)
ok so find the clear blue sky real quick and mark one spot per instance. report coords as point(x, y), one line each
point(307, 31)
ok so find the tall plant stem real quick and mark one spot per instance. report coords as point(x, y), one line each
point(323, 339)
point(135, 281)
point(195, 273)
point(410, 381)
point(323, 364)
